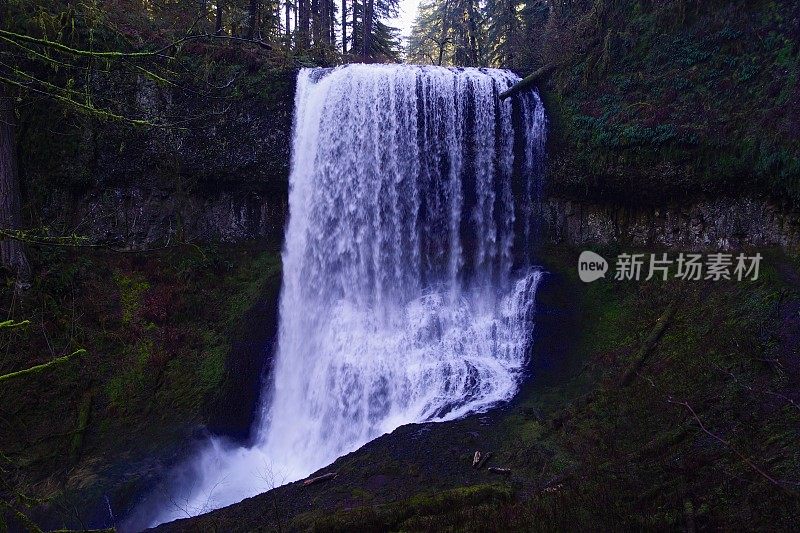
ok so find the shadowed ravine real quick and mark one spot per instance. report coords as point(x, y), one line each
point(408, 288)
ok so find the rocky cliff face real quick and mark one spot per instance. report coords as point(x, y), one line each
point(722, 223)
point(221, 176)
point(218, 174)
point(133, 215)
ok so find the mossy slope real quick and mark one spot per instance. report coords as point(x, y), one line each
point(703, 436)
point(157, 329)
point(660, 101)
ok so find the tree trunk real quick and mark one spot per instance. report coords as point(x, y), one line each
point(323, 477)
point(296, 23)
point(326, 22)
point(315, 22)
point(366, 41)
point(512, 32)
point(344, 27)
point(332, 23)
point(203, 6)
point(252, 18)
point(288, 24)
point(323, 28)
point(12, 252)
point(529, 81)
point(353, 49)
point(303, 28)
point(218, 21)
point(473, 33)
point(443, 38)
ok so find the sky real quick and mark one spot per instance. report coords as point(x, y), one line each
point(408, 11)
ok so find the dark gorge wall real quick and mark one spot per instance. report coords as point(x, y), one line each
point(721, 223)
point(217, 173)
point(673, 123)
point(220, 174)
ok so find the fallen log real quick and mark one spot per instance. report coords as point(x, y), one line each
point(529, 80)
point(498, 470)
point(323, 477)
point(485, 457)
point(650, 343)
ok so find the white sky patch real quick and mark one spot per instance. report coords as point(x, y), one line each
point(408, 12)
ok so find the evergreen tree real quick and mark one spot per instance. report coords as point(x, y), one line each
point(384, 40)
point(502, 30)
point(448, 32)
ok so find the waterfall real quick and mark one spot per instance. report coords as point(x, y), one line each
point(407, 287)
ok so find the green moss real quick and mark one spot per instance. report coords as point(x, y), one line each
point(610, 309)
point(212, 366)
point(409, 514)
point(131, 288)
point(663, 118)
point(80, 427)
point(627, 455)
point(157, 329)
point(247, 283)
point(126, 387)
point(116, 389)
point(361, 495)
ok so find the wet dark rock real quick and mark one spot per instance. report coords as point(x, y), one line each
point(722, 223)
point(237, 403)
point(222, 176)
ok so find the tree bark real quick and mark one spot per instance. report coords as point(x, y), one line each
point(473, 31)
point(288, 23)
point(353, 49)
point(650, 343)
point(40, 368)
point(443, 39)
point(218, 21)
point(323, 477)
point(12, 252)
point(316, 22)
point(512, 32)
point(203, 7)
point(296, 23)
point(332, 22)
point(324, 25)
point(302, 29)
point(529, 81)
point(344, 27)
point(366, 41)
point(252, 18)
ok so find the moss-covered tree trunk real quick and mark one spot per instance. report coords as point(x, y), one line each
point(12, 252)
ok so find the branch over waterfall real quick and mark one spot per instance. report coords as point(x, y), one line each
point(529, 81)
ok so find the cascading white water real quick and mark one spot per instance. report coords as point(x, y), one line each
point(406, 292)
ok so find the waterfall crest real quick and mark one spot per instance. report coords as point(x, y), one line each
point(407, 292)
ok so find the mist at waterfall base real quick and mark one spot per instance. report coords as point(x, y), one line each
point(407, 292)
